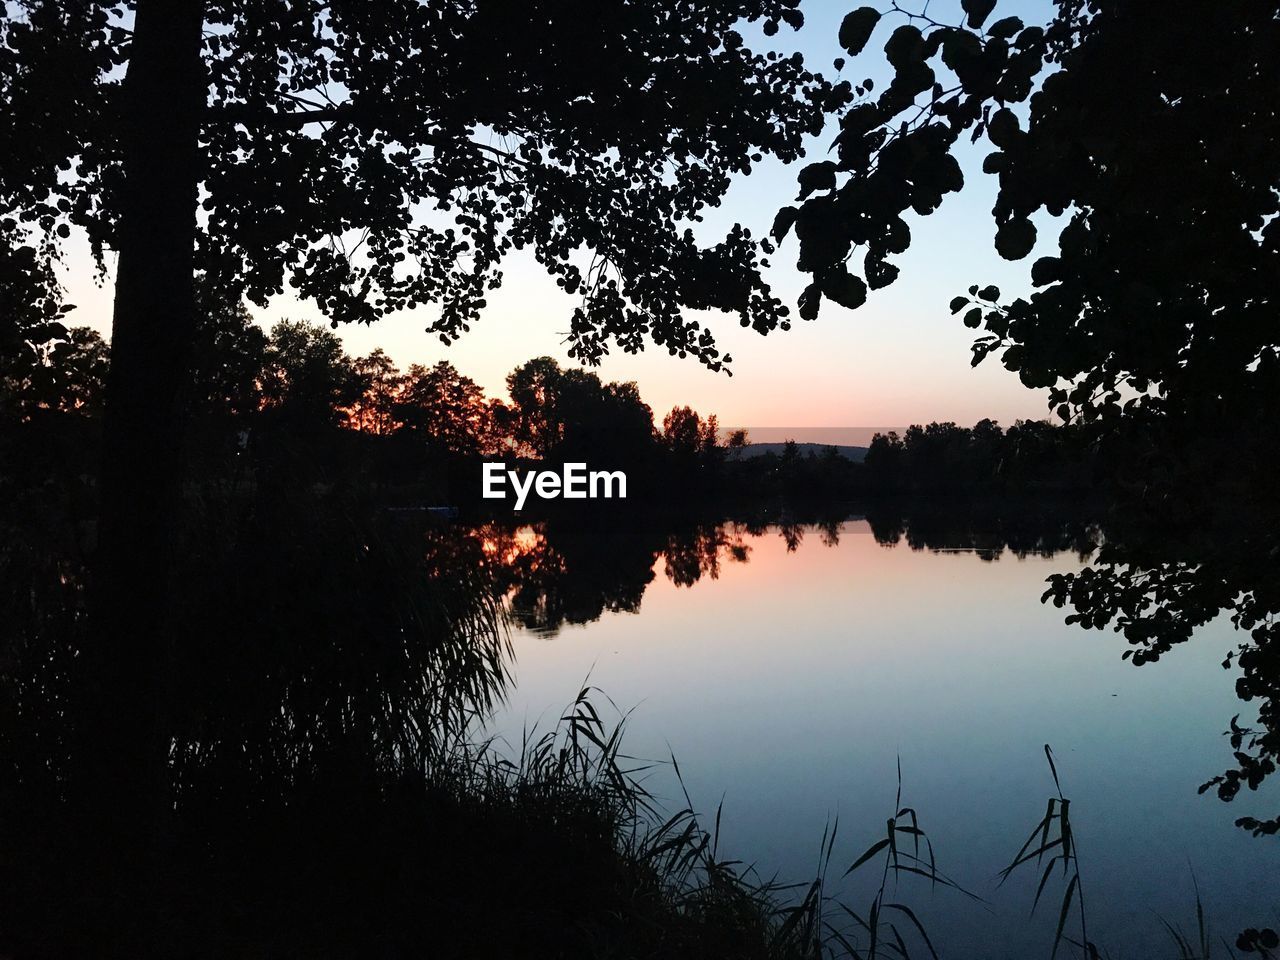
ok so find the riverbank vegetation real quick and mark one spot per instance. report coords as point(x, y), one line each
point(294, 397)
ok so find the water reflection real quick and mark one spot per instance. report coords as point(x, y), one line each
point(795, 662)
point(555, 573)
point(787, 658)
point(988, 535)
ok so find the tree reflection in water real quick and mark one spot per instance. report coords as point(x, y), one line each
point(1154, 588)
point(557, 572)
point(325, 664)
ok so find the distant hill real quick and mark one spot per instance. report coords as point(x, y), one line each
point(856, 454)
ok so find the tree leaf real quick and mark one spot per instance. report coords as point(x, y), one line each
point(1044, 271)
point(978, 11)
point(783, 222)
point(879, 272)
point(817, 176)
point(1003, 128)
point(845, 289)
point(905, 47)
point(856, 29)
point(1006, 28)
point(1015, 239)
point(810, 300)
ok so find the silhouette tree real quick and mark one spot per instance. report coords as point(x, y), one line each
point(573, 415)
point(1158, 577)
point(534, 387)
point(308, 378)
point(380, 385)
point(230, 353)
point(687, 435)
point(64, 373)
point(1161, 294)
point(448, 409)
point(884, 461)
point(376, 158)
point(981, 459)
point(604, 424)
point(32, 315)
point(692, 447)
point(51, 395)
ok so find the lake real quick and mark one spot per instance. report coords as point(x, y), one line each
point(790, 667)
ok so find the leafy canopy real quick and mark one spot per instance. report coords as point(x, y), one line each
point(1151, 140)
point(382, 157)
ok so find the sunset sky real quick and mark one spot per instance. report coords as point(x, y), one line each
point(900, 359)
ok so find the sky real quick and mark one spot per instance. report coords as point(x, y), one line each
point(902, 358)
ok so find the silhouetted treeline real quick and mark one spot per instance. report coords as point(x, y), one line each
point(290, 405)
point(938, 457)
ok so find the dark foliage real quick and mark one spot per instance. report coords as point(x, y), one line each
point(1161, 296)
point(946, 458)
point(437, 137)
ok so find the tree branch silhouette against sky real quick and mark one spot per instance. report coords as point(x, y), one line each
point(845, 369)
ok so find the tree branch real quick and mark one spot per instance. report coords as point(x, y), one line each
point(254, 115)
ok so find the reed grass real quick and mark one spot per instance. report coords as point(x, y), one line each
point(1053, 842)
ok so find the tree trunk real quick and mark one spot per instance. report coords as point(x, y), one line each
point(163, 98)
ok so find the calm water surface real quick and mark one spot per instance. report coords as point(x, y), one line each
point(789, 668)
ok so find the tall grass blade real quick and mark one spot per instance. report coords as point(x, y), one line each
point(870, 852)
point(1053, 769)
point(1062, 916)
point(915, 921)
point(1048, 869)
point(899, 943)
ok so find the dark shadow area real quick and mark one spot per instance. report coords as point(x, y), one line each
point(324, 792)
